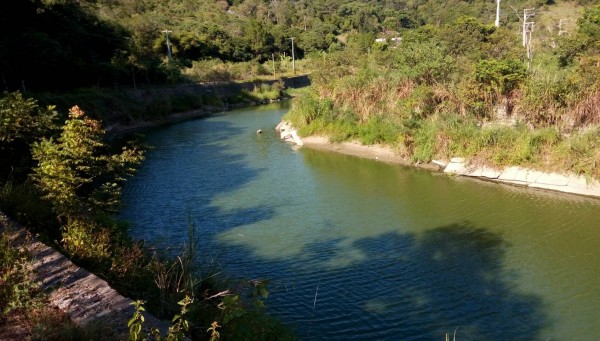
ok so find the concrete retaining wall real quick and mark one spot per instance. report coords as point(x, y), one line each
point(219, 89)
point(568, 183)
point(85, 297)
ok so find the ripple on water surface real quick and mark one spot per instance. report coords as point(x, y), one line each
point(357, 249)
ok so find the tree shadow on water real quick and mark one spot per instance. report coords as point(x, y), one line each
point(420, 287)
point(189, 166)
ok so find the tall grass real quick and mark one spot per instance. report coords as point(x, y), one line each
point(265, 92)
point(494, 112)
point(215, 70)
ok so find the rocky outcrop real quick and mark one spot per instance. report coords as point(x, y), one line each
point(288, 133)
point(568, 183)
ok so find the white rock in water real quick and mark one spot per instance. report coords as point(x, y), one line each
point(297, 138)
point(285, 134)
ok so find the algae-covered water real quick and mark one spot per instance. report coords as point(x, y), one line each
point(356, 249)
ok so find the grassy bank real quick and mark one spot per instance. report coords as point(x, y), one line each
point(465, 89)
point(442, 136)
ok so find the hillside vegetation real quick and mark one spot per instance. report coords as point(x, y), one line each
point(62, 44)
point(467, 88)
point(444, 82)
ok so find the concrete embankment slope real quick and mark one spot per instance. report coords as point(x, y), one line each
point(566, 183)
point(85, 297)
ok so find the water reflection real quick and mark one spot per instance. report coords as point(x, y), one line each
point(412, 287)
point(181, 180)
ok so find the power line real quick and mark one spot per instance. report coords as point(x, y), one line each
point(527, 25)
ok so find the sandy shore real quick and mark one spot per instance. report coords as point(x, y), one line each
point(376, 152)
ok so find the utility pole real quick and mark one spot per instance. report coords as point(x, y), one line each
point(293, 56)
point(560, 27)
point(528, 30)
point(166, 32)
point(527, 25)
point(497, 13)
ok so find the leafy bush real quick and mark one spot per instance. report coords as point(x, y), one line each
point(17, 287)
point(75, 172)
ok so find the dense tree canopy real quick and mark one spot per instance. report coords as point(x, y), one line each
point(58, 44)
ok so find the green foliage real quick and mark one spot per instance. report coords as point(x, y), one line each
point(423, 142)
point(179, 325)
point(76, 173)
point(376, 130)
point(265, 92)
point(56, 45)
point(87, 240)
point(22, 202)
point(462, 88)
point(585, 41)
point(180, 277)
point(581, 153)
point(214, 334)
point(422, 61)
point(22, 119)
point(25, 305)
point(177, 331)
point(231, 308)
point(500, 76)
point(17, 287)
point(136, 322)
point(22, 122)
point(307, 109)
point(466, 34)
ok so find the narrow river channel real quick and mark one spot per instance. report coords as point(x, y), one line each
point(356, 249)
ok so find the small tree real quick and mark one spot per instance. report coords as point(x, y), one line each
point(22, 122)
point(76, 171)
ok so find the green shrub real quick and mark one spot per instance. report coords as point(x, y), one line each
point(17, 287)
point(22, 202)
point(377, 130)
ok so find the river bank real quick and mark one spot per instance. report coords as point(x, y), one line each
point(85, 298)
point(517, 176)
point(350, 220)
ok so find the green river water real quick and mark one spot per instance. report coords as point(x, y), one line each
point(357, 249)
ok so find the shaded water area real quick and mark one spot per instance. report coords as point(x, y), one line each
point(356, 249)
